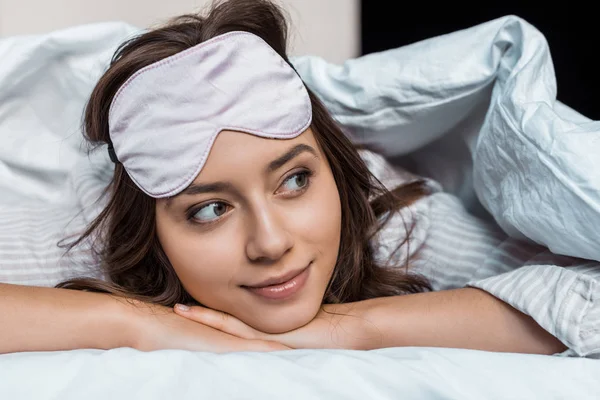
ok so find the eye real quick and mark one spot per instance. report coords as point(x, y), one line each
point(298, 181)
point(209, 212)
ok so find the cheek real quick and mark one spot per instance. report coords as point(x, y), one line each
point(205, 266)
point(330, 214)
point(321, 220)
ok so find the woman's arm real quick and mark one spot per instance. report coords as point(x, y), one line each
point(466, 318)
point(48, 319)
point(561, 294)
point(40, 319)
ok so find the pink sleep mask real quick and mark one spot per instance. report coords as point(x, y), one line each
point(164, 120)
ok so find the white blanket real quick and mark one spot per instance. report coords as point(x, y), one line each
point(531, 162)
point(477, 109)
point(409, 373)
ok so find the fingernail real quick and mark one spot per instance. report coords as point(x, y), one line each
point(182, 307)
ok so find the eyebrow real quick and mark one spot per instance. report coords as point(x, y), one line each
point(195, 189)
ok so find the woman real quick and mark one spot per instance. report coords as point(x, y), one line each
point(239, 217)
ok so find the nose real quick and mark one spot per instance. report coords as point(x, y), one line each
point(269, 239)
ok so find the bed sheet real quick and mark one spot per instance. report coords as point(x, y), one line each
point(400, 373)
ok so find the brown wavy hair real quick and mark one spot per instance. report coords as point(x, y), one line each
point(125, 239)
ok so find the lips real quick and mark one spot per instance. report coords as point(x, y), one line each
point(277, 280)
point(284, 288)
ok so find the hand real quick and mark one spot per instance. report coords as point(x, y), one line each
point(336, 326)
point(154, 327)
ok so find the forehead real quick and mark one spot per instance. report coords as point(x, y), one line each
point(240, 152)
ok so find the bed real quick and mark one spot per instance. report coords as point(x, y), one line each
point(475, 109)
point(407, 373)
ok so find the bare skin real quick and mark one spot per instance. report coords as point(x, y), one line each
point(48, 319)
point(266, 224)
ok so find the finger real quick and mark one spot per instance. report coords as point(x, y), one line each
point(218, 320)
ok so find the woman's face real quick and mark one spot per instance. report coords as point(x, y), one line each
point(261, 209)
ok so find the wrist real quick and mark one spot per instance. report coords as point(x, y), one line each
point(368, 330)
point(383, 323)
point(119, 321)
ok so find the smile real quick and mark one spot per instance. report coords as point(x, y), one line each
point(283, 290)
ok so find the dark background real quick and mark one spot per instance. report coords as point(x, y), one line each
point(572, 31)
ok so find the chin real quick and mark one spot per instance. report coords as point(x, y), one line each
point(284, 320)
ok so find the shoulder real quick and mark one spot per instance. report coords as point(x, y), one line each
point(432, 224)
